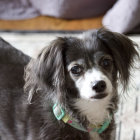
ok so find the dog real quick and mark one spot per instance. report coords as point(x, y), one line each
point(71, 89)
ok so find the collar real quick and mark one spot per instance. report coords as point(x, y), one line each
point(60, 114)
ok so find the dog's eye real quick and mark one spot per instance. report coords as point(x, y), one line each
point(77, 70)
point(106, 62)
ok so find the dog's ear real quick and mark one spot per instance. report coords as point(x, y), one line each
point(50, 65)
point(47, 70)
point(123, 51)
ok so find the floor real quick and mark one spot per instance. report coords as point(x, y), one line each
point(49, 23)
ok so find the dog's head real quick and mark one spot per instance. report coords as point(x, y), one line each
point(87, 67)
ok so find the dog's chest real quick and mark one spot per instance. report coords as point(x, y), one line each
point(95, 112)
point(94, 136)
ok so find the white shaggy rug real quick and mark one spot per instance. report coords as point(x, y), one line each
point(128, 116)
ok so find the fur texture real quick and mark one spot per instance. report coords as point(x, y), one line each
point(67, 72)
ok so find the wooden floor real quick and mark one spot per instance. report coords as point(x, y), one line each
point(49, 23)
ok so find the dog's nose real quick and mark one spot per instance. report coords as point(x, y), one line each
point(99, 86)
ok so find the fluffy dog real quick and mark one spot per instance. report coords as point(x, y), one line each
point(71, 89)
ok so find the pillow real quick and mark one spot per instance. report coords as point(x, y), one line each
point(72, 9)
point(123, 17)
point(69, 9)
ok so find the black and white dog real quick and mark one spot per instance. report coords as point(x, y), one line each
point(71, 88)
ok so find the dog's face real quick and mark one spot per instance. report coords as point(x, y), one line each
point(91, 68)
point(87, 67)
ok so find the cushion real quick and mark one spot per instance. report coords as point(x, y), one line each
point(69, 9)
point(123, 17)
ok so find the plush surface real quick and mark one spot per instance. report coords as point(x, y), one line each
point(21, 9)
point(127, 117)
point(123, 17)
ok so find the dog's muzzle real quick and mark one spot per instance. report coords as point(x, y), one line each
point(99, 87)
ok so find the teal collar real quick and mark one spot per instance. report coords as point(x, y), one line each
point(60, 114)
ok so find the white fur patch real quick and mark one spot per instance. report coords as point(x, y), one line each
point(85, 82)
point(94, 109)
point(94, 136)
